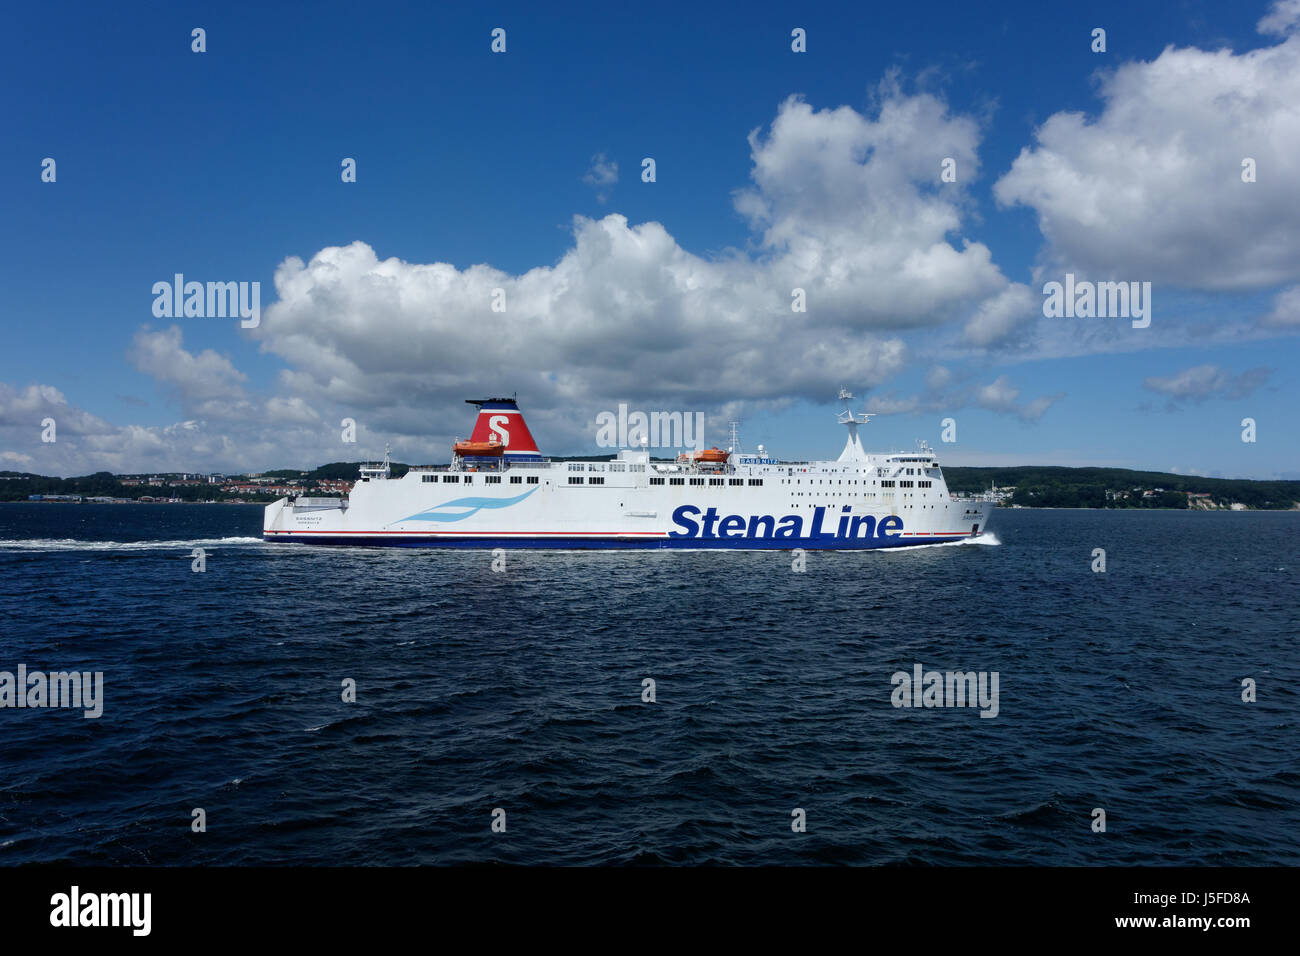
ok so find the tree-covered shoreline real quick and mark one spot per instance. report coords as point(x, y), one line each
point(1036, 486)
point(1043, 486)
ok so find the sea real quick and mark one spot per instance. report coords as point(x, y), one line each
point(284, 704)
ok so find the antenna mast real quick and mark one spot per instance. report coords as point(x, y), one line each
point(853, 447)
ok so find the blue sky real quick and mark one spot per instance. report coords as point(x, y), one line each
point(923, 297)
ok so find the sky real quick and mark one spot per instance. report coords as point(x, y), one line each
point(922, 173)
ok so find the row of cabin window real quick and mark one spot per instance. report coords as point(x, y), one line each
point(601, 466)
point(487, 479)
point(733, 482)
point(867, 494)
point(533, 479)
point(889, 483)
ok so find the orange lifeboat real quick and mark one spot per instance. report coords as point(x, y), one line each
point(710, 454)
point(478, 449)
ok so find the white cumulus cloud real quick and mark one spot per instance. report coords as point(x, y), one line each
point(1151, 188)
point(1202, 382)
point(602, 176)
point(847, 207)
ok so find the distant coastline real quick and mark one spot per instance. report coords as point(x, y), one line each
point(130, 501)
point(1052, 486)
point(262, 504)
point(1024, 486)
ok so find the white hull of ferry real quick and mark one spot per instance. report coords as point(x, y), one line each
point(746, 502)
point(563, 516)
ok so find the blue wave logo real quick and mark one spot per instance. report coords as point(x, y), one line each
point(473, 506)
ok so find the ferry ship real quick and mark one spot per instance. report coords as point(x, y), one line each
point(499, 492)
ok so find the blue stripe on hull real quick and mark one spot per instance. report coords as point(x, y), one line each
point(607, 544)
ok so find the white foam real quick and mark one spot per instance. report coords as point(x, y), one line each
point(76, 544)
point(987, 538)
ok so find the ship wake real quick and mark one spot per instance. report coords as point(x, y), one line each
point(76, 544)
point(988, 538)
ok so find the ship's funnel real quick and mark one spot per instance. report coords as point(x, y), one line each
point(500, 420)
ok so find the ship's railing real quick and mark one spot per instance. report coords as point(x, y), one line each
point(303, 503)
point(475, 464)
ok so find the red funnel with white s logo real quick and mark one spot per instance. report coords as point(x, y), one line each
point(500, 420)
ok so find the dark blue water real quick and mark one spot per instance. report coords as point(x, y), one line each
point(522, 690)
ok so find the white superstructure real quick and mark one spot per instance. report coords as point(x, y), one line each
point(509, 496)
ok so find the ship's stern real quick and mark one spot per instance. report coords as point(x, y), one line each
point(273, 519)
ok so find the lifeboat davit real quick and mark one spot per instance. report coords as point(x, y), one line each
point(710, 454)
point(479, 449)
